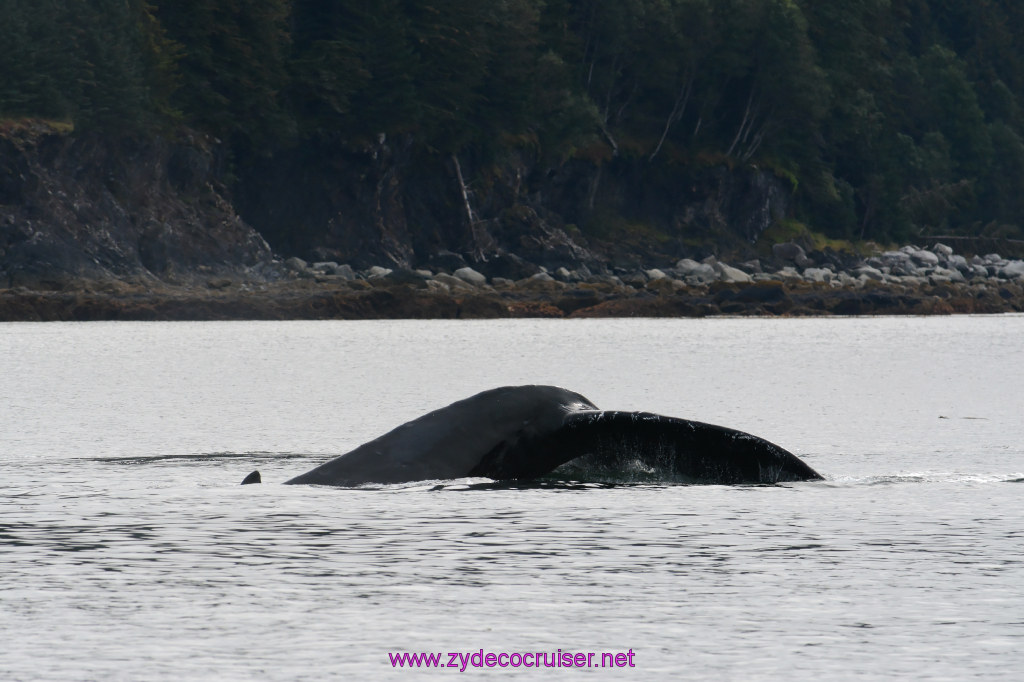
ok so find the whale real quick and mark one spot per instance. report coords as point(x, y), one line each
point(526, 432)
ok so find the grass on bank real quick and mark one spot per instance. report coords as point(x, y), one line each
point(795, 231)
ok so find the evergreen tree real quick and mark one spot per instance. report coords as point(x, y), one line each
point(893, 117)
point(31, 59)
point(110, 89)
point(232, 64)
point(354, 69)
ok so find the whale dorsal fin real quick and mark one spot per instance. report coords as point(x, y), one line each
point(254, 477)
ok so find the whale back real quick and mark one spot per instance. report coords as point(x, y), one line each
point(452, 441)
point(522, 432)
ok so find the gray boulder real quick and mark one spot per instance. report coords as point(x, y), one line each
point(636, 278)
point(926, 258)
point(958, 262)
point(792, 252)
point(820, 275)
point(868, 272)
point(788, 251)
point(438, 287)
point(845, 280)
point(468, 274)
point(979, 271)
point(1013, 270)
point(946, 275)
point(326, 267)
point(788, 274)
point(452, 282)
point(896, 263)
point(691, 268)
point(377, 272)
point(727, 273)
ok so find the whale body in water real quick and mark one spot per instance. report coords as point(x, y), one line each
point(523, 432)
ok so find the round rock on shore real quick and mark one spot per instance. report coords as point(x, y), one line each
point(1012, 270)
point(727, 273)
point(468, 274)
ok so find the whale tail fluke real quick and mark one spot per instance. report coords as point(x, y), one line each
point(525, 432)
point(679, 448)
point(254, 477)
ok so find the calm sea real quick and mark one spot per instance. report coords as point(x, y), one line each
point(128, 551)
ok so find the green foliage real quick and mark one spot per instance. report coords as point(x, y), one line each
point(888, 118)
point(29, 61)
point(353, 68)
point(233, 57)
point(105, 63)
point(796, 231)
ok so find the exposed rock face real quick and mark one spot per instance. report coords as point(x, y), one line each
point(388, 204)
point(148, 230)
point(84, 207)
point(346, 207)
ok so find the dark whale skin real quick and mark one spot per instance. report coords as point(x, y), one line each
point(522, 432)
point(451, 442)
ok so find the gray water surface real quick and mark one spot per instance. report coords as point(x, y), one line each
point(129, 551)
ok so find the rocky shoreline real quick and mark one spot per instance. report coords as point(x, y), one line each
point(94, 227)
point(791, 282)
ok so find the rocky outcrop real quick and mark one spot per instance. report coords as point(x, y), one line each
point(97, 229)
point(331, 291)
point(85, 207)
point(388, 203)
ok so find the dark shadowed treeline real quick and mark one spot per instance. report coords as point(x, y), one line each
point(889, 117)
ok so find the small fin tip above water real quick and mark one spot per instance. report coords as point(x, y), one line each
point(254, 477)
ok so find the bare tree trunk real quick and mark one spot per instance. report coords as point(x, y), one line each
point(589, 49)
point(629, 100)
point(755, 144)
point(611, 140)
point(611, 89)
point(747, 121)
point(593, 188)
point(465, 192)
point(869, 206)
point(478, 252)
point(677, 113)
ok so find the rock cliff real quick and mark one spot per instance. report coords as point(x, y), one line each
point(393, 205)
point(164, 228)
point(86, 207)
